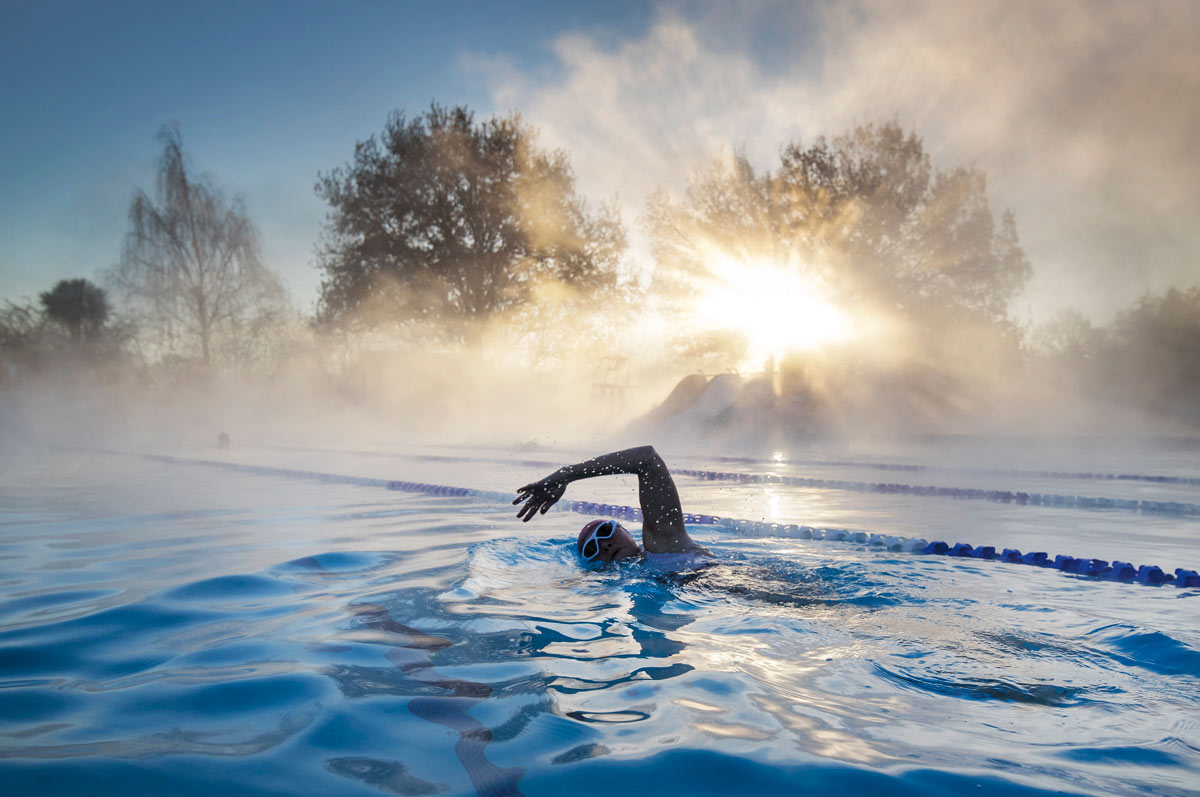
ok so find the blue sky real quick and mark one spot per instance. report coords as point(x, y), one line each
point(267, 93)
point(1084, 114)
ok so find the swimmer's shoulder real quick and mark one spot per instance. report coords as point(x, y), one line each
point(693, 557)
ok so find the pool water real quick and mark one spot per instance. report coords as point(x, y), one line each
point(183, 629)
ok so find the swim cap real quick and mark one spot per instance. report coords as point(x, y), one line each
point(588, 528)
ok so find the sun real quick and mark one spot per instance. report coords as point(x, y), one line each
point(775, 307)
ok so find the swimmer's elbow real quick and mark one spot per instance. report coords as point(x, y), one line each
point(648, 460)
point(645, 454)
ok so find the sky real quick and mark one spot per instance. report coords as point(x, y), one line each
point(1084, 114)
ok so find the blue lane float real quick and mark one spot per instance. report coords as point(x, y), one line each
point(1121, 572)
point(1001, 496)
point(1176, 508)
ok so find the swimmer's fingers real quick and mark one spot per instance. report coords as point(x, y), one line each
point(523, 494)
point(529, 510)
point(532, 509)
point(526, 492)
point(538, 497)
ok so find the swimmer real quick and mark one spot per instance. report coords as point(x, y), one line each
point(665, 541)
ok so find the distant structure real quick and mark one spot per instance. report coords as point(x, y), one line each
point(725, 409)
point(222, 440)
point(610, 382)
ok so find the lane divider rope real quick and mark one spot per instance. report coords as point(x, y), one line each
point(1084, 566)
point(1176, 508)
point(1001, 496)
point(1041, 474)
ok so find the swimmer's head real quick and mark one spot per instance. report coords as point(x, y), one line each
point(605, 541)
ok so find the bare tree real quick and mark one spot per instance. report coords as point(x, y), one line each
point(191, 267)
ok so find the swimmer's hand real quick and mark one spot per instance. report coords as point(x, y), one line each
point(539, 496)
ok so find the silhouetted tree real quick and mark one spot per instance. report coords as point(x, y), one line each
point(191, 266)
point(1154, 357)
point(444, 219)
point(1147, 359)
point(1068, 338)
point(79, 306)
point(866, 214)
point(71, 336)
point(21, 339)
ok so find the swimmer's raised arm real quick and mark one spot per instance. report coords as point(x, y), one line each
point(662, 516)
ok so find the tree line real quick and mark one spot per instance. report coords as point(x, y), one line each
point(444, 228)
point(71, 326)
point(1148, 357)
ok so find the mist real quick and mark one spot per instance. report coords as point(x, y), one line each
point(634, 258)
point(1081, 114)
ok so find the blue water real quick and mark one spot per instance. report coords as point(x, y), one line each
point(179, 629)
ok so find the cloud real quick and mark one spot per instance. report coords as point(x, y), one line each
point(1084, 115)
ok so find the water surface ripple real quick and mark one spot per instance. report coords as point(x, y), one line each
point(188, 631)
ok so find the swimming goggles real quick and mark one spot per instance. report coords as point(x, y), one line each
point(601, 532)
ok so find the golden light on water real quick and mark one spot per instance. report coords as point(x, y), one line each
point(775, 307)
